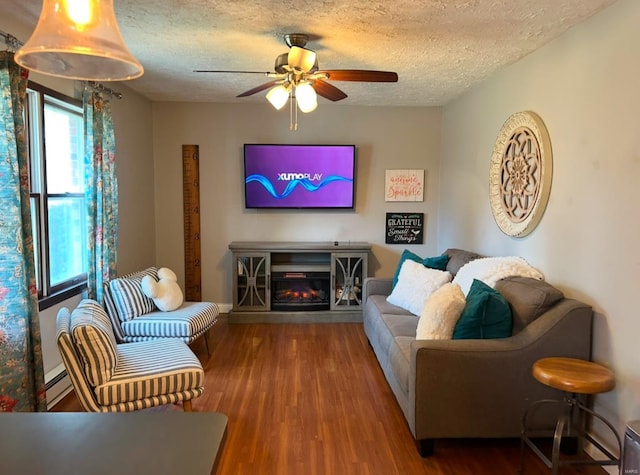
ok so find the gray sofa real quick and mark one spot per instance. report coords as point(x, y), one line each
point(474, 388)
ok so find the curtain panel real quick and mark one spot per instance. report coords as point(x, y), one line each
point(101, 192)
point(21, 375)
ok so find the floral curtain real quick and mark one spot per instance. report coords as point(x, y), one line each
point(21, 370)
point(101, 192)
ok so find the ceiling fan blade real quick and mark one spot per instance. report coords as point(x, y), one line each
point(328, 91)
point(361, 75)
point(262, 87)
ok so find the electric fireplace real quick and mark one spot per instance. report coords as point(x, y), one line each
point(300, 291)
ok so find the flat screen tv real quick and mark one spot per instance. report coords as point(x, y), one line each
point(299, 176)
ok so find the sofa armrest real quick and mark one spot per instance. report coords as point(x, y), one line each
point(376, 286)
point(494, 375)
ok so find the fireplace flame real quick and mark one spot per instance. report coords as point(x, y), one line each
point(298, 295)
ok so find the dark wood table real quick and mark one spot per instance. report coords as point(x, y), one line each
point(124, 443)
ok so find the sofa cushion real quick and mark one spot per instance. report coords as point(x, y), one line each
point(415, 284)
point(384, 307)
point(191, 319)
point(528, 298)
point(441, 313)
point(401, 325)
point(485, 315)
point(93, 336)
point(437, 262)
point(458, 258)
point(128, 297)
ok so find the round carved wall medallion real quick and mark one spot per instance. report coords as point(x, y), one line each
point(520, 174)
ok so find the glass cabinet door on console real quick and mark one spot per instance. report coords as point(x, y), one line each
point(252, 287)
point(348, 271)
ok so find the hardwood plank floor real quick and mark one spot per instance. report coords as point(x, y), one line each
point(311, 399)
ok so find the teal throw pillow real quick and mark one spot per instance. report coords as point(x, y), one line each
point(485, 315)
point(439, 262)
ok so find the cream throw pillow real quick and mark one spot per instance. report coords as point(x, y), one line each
point(491, 269)
point(441, 313)
point(415, 283)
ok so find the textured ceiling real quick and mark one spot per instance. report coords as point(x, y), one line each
point(439, 48)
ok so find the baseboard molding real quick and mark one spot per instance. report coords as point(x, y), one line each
point(57, 385)
point(224, 307)
point(58, 397)
point(593, 452)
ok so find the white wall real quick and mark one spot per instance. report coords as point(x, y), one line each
point(132, 120)
point(584, 86)
point(384, 138)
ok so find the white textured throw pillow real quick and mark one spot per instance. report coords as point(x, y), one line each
point(441, 313)
point(415, 283)
point(491, 269)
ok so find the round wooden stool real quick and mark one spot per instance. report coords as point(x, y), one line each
point(577, 379)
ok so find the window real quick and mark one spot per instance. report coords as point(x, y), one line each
point(58, 211)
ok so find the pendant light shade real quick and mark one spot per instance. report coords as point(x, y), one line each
point(301, 59)
point(278, 96)
point(307, 98)
point(79, 39)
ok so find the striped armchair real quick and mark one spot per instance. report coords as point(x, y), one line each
point(111, 377)
point(135, 317)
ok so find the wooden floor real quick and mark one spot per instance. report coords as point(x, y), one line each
point(311, 399)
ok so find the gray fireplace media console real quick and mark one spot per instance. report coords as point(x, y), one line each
point(298, 281)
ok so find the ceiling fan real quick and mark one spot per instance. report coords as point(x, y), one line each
point(298, 78)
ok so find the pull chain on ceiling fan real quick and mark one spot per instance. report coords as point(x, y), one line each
point(297, 78)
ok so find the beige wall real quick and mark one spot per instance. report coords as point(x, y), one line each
point(132, 120)
point(384, 137)
point(584, 86)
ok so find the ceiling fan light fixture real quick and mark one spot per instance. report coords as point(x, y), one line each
point(307, 97)
point(278, 96)
point(297, 79)
point(301, 59)
point(79, 39)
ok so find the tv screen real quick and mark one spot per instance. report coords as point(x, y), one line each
point(299, 176)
